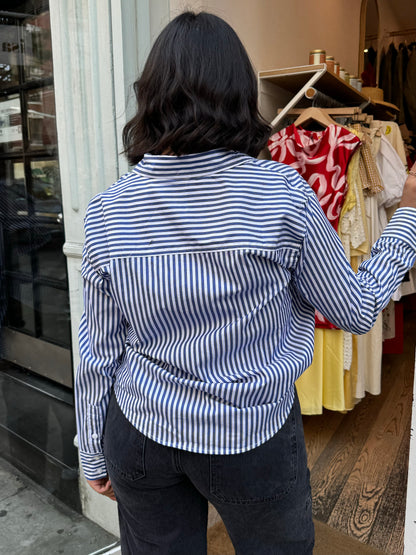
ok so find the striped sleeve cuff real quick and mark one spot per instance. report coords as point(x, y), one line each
point(402, 226)
point(93, 465)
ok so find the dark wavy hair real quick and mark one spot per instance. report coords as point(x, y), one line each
point(197, 92)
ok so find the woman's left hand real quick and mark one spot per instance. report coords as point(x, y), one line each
point(103, 487)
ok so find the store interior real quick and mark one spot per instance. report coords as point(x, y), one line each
point(357, 396)
point(357, 416)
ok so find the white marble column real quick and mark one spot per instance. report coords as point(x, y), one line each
point(98, 49)
point(410, 522)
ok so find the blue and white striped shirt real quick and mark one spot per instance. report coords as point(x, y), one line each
point(201, 276)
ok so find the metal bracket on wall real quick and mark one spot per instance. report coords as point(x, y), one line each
point(298, 96)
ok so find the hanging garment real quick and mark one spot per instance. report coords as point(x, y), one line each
point(370, 177)
point(328, 382)
point(369, 348)
point(387, 75)
point(366, 367)
point(321, 157)
point(392, 133)
point(392, 169)
point(368, 76)
point(364, 372)
point(318, 388)
point(410, 89)
point(353, 221)
point(393, 175)
point(399, 77)
point(350, 379)
point(406, 287)
point(389, 321)
point(382, 69)
point(354, 234)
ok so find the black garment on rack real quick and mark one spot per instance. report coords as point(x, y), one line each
point(387, 73)
point(368, 76)
point(399, 79)
point(410, 89)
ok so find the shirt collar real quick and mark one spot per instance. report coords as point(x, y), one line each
point(189, 165)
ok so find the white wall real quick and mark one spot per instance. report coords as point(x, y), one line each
point(280, 33)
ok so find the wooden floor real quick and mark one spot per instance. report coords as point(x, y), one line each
point(359, 460)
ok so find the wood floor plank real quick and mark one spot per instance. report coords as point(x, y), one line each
point(319, 430)
point(334, 466)
point(388, 529)
point(361, 498)
point(348, 452)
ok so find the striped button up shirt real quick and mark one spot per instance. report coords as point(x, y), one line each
point(201, 276)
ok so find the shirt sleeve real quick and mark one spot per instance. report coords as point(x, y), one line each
point(326, 280)
point(102, 336)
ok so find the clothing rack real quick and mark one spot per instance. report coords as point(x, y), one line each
point(380, 42)
point(320, 99)
point(354, 113)
point(402, 33)
point(389, 34)
point(282, 90)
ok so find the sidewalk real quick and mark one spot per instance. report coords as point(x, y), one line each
point(34, 522)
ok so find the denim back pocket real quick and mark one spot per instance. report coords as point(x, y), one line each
point(124, 445)
point(266, 473)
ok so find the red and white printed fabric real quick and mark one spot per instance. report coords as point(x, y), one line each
point(321, 158)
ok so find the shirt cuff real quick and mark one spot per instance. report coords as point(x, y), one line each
point(93, 465)
point(402, 226)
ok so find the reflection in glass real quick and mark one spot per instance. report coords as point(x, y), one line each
point(46, 191)
point(38, 47)
point(33, 276)
point(10, 53)
point(46, 184)
point(54, 313)
point(20, 310)
point(18, 248)
point(11, 138)
point(13, 201)
point(41, 118)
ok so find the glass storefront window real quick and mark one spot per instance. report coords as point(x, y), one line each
point(13, 199)
point(41, 118)
point(35, 336)
point(38, 47)
point(14, 214)
point(33, 266)
point(54, 310)
point(46, 186)
point(47, 202)
point(10, 53)
point(18, 243)
point(11, 135)
point(20, 306)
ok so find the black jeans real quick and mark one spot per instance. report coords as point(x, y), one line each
point(262, 495)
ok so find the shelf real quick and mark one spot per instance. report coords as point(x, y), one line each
point(295, 78)
point(285, 88)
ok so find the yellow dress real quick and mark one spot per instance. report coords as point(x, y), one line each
point(322, 384)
